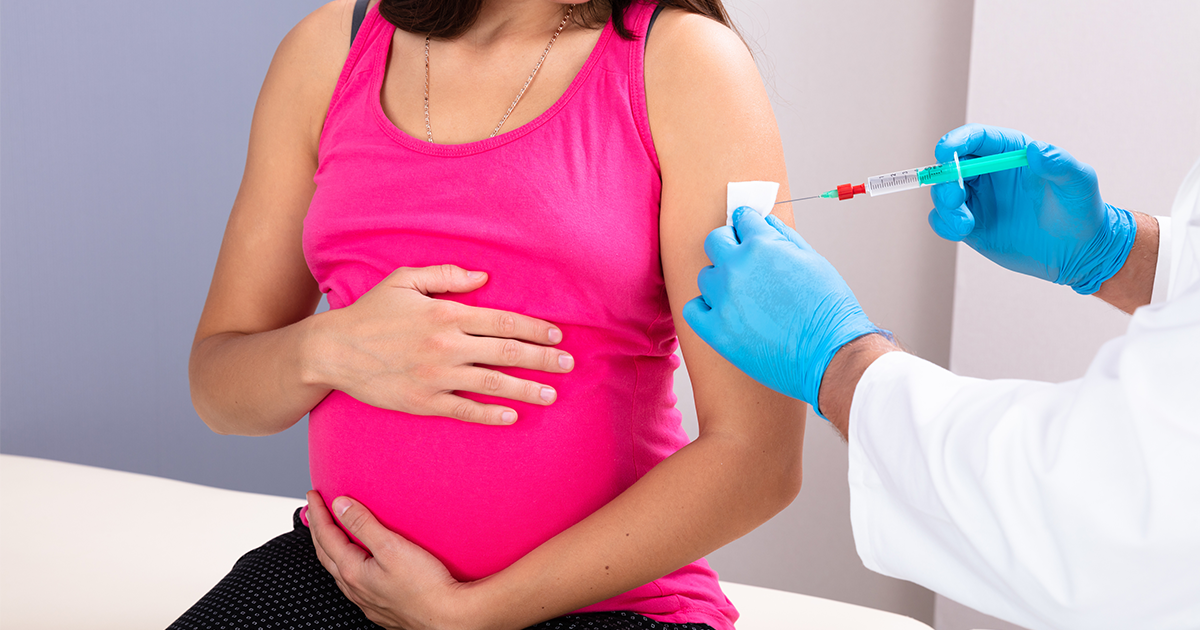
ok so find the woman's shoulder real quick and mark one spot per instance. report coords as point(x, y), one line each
point(332, 20)
point(699, 74)
point(682, 41)
point(691, 56)
point(305, 69)
point(322, 39)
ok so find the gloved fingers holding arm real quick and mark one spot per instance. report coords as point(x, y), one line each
point(711, 281)
point(719, 241)
point(774, 307)
point(788, 233)
point(1046, 220)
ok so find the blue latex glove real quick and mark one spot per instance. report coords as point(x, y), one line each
point(1047, 220)
point(772, 306)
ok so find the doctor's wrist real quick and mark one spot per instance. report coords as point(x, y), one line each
point(1133, 284)
point(842, 376)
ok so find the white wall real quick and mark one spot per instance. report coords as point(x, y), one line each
point(1118, 85)
point(859, 88)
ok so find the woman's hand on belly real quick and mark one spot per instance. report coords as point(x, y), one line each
point(397, 348)
point(396, 583)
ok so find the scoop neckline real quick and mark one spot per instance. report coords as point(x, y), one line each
point(423, 146)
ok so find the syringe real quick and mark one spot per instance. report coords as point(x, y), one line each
point(926, 176)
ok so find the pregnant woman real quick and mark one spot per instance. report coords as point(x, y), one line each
point(505, 276)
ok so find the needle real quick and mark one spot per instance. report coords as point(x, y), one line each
point(800, 199)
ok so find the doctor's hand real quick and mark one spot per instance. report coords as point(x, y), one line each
point(1046, 220)
point(396, 583)
point(772, 306)
point(398, 348)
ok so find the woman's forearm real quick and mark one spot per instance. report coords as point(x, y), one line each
point(396, 348)
point(256, 384)
point(709, 493)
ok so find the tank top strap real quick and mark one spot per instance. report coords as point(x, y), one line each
point(368, 48)
point(638, 16)
point(637, 20)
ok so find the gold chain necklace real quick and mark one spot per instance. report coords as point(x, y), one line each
point(561, 25)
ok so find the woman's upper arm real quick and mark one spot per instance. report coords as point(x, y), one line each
point(261, 280)
point(712, 123)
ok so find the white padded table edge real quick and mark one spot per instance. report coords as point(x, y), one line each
point(86, 547)
point(769, 609)
point(757, 195)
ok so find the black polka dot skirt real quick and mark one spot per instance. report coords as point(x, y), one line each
point(281, 585)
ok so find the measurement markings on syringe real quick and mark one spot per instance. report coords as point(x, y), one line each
point(894, 182)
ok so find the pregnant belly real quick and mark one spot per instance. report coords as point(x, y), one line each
point(479, 497)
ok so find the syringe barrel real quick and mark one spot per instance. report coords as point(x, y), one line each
point(893, 182)
point(948, 172)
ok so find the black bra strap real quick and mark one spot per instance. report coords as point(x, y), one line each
point(653, 17)
point(360, 13)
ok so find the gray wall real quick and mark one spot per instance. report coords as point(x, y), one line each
point(124, 127)
point(1118, 85)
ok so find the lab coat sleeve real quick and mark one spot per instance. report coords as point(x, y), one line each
point(1070, 505)
point(1162, 269)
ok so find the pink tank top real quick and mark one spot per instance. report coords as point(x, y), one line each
point(562, 213)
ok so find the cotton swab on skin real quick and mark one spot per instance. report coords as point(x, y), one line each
point(760, 196)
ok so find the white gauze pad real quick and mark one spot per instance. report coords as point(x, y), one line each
point(757, 195)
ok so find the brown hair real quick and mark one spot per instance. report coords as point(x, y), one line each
point(448, 19)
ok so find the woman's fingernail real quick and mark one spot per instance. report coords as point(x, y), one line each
point(340, 505)
point(548, 394)
point(474, 275)
point(508, 417)
point(566, 361)
point(555, 335)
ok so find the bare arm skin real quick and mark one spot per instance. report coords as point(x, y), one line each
point(254, 320)
point(261, 359)
point(712, 123)
point(1128, 289)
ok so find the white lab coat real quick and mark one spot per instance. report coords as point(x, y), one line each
point(1070, 505)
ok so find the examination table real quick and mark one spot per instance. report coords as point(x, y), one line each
point(84, 547)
